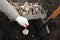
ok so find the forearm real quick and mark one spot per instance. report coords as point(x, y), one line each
point(8, 9)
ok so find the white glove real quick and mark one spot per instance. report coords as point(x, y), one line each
point(22, 21)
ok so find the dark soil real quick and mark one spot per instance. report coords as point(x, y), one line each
point(13, 31)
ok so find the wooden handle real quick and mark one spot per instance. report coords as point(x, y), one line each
point(55, 13)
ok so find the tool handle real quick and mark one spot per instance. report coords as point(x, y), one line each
point(55, 13)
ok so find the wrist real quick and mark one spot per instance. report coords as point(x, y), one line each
point(17, 18)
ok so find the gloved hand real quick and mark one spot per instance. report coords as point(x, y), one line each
point(22, 21)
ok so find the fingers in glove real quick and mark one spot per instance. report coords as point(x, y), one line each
point(26, 25)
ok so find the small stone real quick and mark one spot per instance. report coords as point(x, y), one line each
point(17, 37)
point(32, 35)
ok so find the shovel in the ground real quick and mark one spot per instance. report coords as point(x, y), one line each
point(53, 16)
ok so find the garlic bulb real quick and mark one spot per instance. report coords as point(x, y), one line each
point(25, 32)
